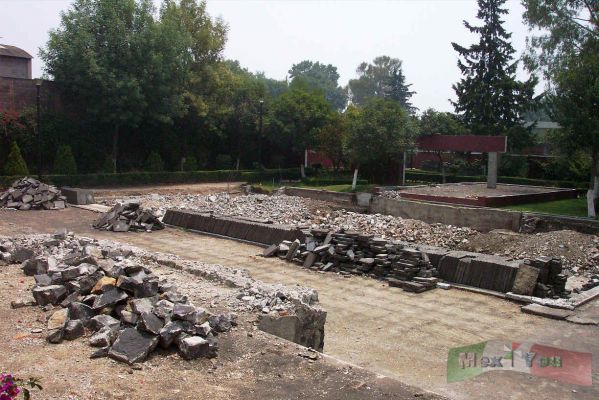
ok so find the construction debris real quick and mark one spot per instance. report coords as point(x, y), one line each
point(31, 194)
point(128, 217)
point(353, 253)
point(126, 307)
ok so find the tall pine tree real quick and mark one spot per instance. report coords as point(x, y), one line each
point(490, 99)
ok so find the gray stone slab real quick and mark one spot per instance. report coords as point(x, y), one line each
point(547, 312)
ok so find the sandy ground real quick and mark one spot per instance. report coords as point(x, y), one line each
point(388, 331)
point(250, 363)
point(192, 188)
point(474, 190)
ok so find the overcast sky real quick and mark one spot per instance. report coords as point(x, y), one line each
point(271, 35)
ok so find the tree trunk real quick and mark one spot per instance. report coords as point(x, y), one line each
point(115, 147)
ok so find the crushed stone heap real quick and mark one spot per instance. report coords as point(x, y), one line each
point(128, 309)
point(128, 217)
point(31, 194)
point(349, 252)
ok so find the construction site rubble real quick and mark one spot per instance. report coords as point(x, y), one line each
point(579, 252)
point(31, 194)
point(127, 309)
point(110, 291)
point(350, 252)
point(126, 217)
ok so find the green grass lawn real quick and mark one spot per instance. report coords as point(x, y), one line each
point(571, 207)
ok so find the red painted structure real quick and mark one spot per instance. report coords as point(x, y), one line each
point(465, 143)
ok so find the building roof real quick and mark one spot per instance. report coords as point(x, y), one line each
point(12, 51)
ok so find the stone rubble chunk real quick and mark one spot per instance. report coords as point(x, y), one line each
point(133, 346)
point(193, 347)
point(52, 294)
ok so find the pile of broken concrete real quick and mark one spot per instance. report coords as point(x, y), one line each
point(31, 194)
point(349, 252)
point(126, 217)
point(127, 310)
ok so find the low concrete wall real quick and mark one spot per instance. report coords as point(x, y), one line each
point(481, 219)
point(254, 232)
point(323, 195)
point(533, 223)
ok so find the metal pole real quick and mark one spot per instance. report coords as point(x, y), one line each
point(38, 86)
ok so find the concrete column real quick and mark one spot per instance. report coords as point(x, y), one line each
point(492, 171)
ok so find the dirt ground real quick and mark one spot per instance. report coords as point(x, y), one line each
point(192, 188)
point(389, 332)
point(475, 190)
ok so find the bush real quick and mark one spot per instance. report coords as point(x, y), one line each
point(512, 165)
point(224, 161)
point(190, 164)
point(15, 164)
point(154, 163)
point(64, 163)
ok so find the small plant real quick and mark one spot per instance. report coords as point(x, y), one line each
point(154, 163)
point(64, 163)
point(10, 387)
point(15, 164)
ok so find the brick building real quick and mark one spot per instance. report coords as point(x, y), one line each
point(18, 92)
point(14, 62)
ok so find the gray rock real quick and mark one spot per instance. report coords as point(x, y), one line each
point(143, 305)
point(193, 347)
point(170, 332)
point(59, 319)
point(35, 266)
point(104, 337)
point(109, 298)
point(163, 309)
point(102, 352)
point(146, 289)
point(150, 323)
point(52, 294)
point(204, 329)
point(129, 317)
point(43, 280)
point(74, 329)
point(81, 312)
point(21, 254)
point(100, 321)
point(133, 346)
point(73, 297)
point(55, 336)
point(22, 302)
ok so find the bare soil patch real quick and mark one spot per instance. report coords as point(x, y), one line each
point(475, 190)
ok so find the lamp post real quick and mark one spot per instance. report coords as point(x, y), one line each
point(260, 113)
point(38, 86)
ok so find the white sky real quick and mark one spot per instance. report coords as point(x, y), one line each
point(271, 35)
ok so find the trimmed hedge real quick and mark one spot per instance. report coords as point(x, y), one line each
point(434, 177)
point(149, 178)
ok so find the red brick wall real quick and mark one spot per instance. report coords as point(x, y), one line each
point(20, 94)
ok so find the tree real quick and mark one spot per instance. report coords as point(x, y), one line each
point(489, 98)
point(332, 137)
point(383, 78)
point(379, 133)
point(118, 63)
point(154, 163)
point(445, 123)
point(64, 162)
point(323, 77)
point(566, 53)
point(296, 117)
point(15, 164)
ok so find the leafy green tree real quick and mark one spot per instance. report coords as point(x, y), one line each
point(64, 162)
point(332, 137)
point(379, 133)
point(445, 123)
point(117, 62)
point(296, 117)
point(566, 52)
point(323, 77)
point(154, 163)
point(190, 164)
point(15, 164)
point(489, 97)
point(383, 78)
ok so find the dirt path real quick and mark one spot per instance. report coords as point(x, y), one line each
point(191, 188)
point(391, 332)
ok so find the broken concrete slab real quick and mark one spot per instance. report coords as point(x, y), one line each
point(547, 312)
